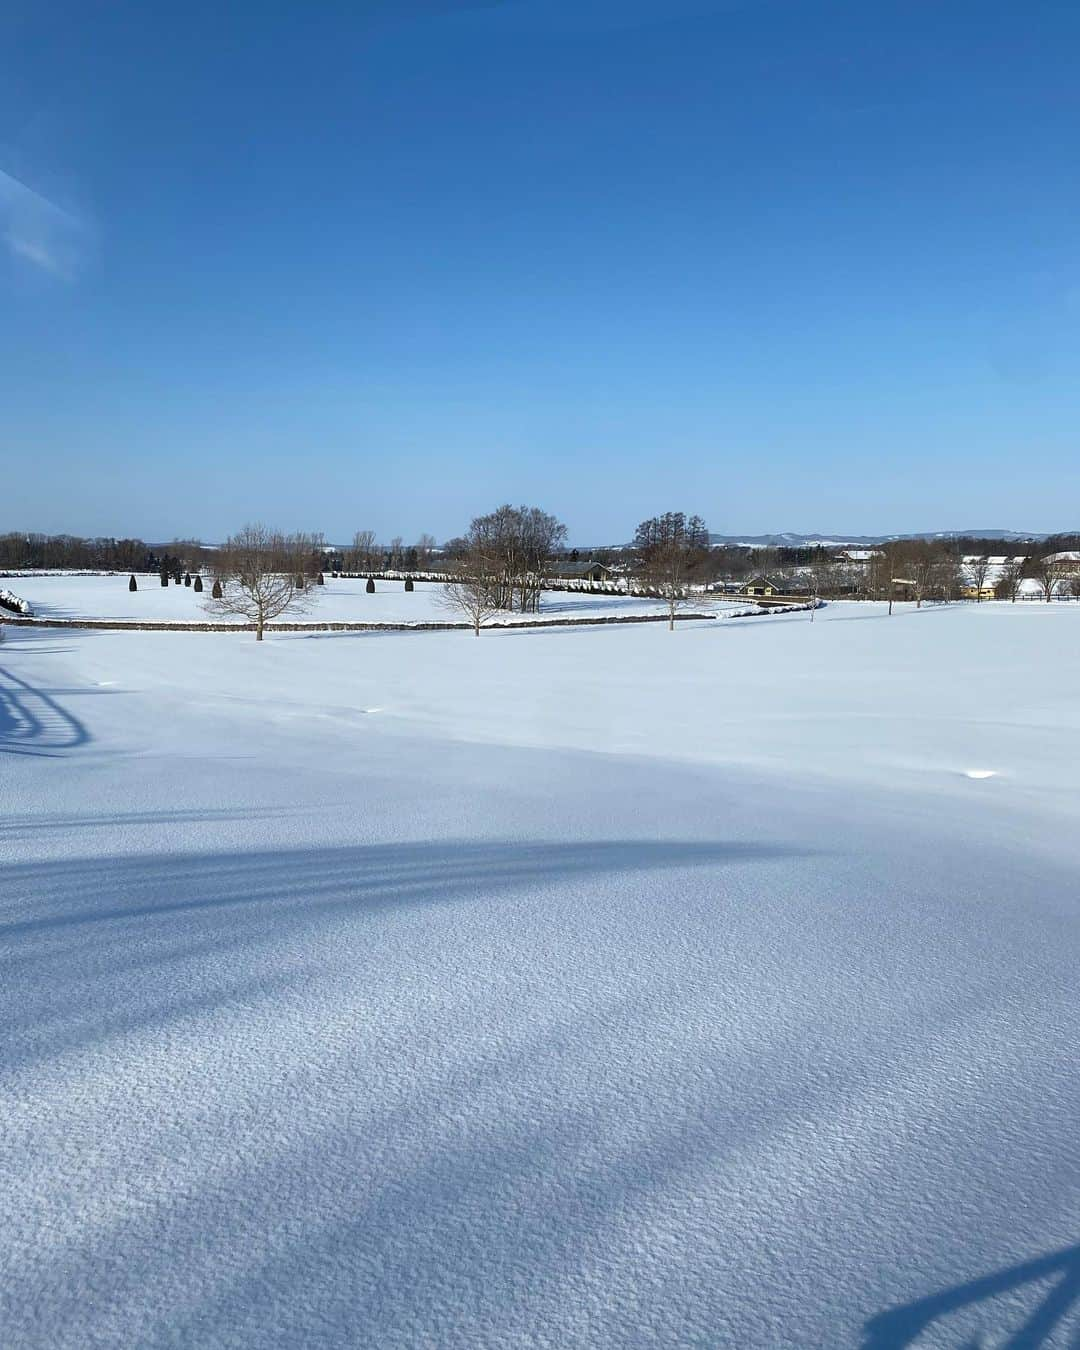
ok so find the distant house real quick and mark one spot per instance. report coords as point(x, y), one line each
point(592, 572)
point(859, 555)
point(765, 586)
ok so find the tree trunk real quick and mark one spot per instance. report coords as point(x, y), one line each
point(476, 625)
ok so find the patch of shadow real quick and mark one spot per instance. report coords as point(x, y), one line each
point(308, 882)
point(34, 722)
point(902, 1326)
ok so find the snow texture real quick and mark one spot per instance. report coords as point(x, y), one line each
point(573, 987)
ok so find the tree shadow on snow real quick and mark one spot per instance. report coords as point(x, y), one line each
point(901, 1327)
point(305, 882)
point(68, 928)
point(34, 722)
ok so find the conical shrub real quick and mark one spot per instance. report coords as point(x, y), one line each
point(164, 578)
point(409, 584)
point(197, 586)
point(133, 585)
point(321, 579)
point(216, 592)
point(370, 587)
point(187, 578)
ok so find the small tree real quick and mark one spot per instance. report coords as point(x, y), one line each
point(1048, 571)
point(923, 564)
point(1008, 583)
point(133, 585)
point(976, 570)
point(197, 584)
point(370, 587)
point(187, 578)
point(669, 548)
point(883, 575)
point(257, 577)
point(164, 578)
point(475, 590)
point(320, 580)
point(409, 583)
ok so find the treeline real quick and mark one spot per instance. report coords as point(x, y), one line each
point(64, 551)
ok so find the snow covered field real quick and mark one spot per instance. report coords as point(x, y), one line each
point(341, 600)
point(575, 987)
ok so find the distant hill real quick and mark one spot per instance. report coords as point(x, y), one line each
point(837, 540)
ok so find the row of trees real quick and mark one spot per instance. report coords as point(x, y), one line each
point(501, 564)
point(504, 560)
point(19, 552)
point(367, 555)
point(918, 570)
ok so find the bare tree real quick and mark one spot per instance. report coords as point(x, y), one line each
point(1008, 582)
point(475, 591)
point(669, 550)
point(1049, 571)
point(517, 544)
point(425, 547)
point(363, 556)
point(822, 575)
point(882, 572)
point(976, 570)
point(261, 573)
point(920, 563)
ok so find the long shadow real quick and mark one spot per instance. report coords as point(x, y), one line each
point(34, 722)
point(69, 929)
point(900, 1327)
point(309, 882)
point(49, 822)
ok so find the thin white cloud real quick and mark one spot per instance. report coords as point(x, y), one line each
point(39, 233)
point(35, 251)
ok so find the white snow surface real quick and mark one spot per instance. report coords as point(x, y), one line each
point(340, 600)
point(567, 987)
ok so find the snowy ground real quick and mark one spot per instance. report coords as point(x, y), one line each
point(340, 600)
point(579, 987)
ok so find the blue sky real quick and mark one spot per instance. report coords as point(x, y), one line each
point(791, 265)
